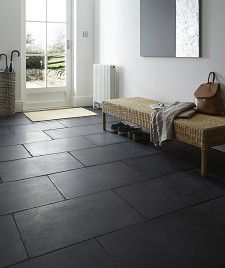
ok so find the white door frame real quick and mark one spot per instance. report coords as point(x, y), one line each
point(48, 98)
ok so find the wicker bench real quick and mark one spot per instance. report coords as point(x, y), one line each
point(201, 130)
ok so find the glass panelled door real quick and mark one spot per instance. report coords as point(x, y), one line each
point(48, 57)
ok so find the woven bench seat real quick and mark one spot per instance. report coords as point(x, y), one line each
point(201, 130)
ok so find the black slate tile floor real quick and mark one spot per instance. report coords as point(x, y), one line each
point(29, 137)
point(157, 165)
point(112, 153)
point(37, 166)
point(85, 255)
point(106, 139)
point(94, 179)
point(36, 127)
point(25, 194)
point(185, 239)
point(18, 119)
point(5, 131)
point(84, 121)
point(11, 246)
point(13, 153)
point(215, 209)
point(77, 220)
point(74, 131)
point(57, 212)
point(154, 198)
point(58, 146)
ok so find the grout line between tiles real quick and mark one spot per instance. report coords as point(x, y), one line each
point(38, 156)
point(78, 243)
point(84, 166)
point(138, 212)
point(17, 159)
point(184, 208)
point(17, 227)
point(45, 132)
point(27, 150)
point(56, 187)
point(99, 146)
point(113, 190)
point(209, 217)
point(106, 253)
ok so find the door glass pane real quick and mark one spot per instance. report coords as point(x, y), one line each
point(56, 10)
point(56, 72)
point(35, 72)
point(35, 37)
point(46, 52)
point(36, 10)
point(56, 38)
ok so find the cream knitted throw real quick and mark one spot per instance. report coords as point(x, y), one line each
point(161, 121)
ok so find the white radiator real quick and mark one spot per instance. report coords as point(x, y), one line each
point(104, 83)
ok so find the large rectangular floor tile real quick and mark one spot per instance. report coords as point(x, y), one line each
point(216, 159)
point(37, 127)
point(55, 226)
point(18, 119)
point(13, 153)
point(220, 148)
point(92, 120)
point(58, 146)
point(5, 131)
point(112, 153)
point(37, 166)
point(106, 139)
point(25, 194)
point(173, 145)
point(168, 194)
point(158, 165)
point(28, 137)
point(11, 246)
point(75, 131)
point(215, 209)
point(94, 179)
point(85, 255)
point(74, 122)
point(185, 239)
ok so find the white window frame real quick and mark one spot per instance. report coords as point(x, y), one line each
point(30, 95)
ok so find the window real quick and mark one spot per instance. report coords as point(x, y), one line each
point(46, 45)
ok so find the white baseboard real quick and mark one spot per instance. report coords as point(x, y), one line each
point(19, 106)
point(82, 101)
point(76, 102)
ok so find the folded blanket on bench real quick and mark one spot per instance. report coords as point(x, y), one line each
point(161, 121)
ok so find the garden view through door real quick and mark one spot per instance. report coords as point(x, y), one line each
point(47, 46)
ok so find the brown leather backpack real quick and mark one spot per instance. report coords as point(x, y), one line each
point(208, 97)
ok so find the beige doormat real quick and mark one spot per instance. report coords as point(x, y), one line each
point(59, 114)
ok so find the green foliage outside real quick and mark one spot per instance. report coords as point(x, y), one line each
point(38, 62)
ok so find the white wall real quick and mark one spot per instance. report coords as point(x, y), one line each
point(10, 38)
point(170, 79)
point(84, 52)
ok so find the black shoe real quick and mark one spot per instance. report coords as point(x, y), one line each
point(141, 137)
point(134, 130)
point(123, 131)
point(114, 127)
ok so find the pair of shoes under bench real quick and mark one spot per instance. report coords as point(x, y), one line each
point(133, 131)
point(114, 127)
point(124, 130)
point(128, 131)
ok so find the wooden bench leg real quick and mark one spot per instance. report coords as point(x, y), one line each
point(204, 162)
point(104, 121)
